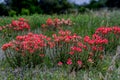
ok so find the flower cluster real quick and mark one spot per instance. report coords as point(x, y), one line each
point(103, 30)
point(30, 43)
point(31, 47)
point(63, 41)
point(116, 29)
point(110, 33)
point(20, 24)
point(56, 23)
point(75, 52)
point(66, 36)
point(96, 43)
point(17, 25)
point(108, 30)
point(6, 46)
point(65, 47)
point(85, 51)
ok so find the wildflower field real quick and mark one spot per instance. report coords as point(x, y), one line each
point(60, 47)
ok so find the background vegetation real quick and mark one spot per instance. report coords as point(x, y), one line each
point(84, 24)
point(27, 7)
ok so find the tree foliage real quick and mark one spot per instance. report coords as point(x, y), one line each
point(94, 4)
point(55, 6)
point(3, 9)
point(51, 6)
point(18, 5)
point(113, 3)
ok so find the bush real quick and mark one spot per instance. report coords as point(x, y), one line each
point(12, 13)
point(82, 9)
point(16, 27)
point(25, 11)
point(56, 24)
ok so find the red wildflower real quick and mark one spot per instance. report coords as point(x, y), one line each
point(86, 38)
point(67, 39)
point(49, 21)
point(60, 63)
point(17, 49)
point(71, 53)
point(79, 62)
point(48, 38)
point(0, 28)
point(91, 54)
point(41, 55)
point(94, 48)
point(54, 35)
point(62, 33)
point(43, 25)
point(7, 45)
point(69, 61)
point(100, 48)
point(51, 44)
point(79, 49)
point(20, 24)
point(67, 32)
point(21, 19)
point(116, 30)
point(80, 44)
point(90, 60)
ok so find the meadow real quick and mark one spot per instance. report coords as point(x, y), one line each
point(80, 29)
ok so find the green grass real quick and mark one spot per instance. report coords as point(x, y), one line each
point(84, 24)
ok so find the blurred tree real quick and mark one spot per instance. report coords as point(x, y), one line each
point(12, 13)
point(25, 11)
point(4, 9)
point(18, 5)
point(113, 3)
point(95, 4)
point(7, 2)
point(54, 6)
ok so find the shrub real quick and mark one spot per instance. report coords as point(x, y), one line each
point(110, 33)
point(12, 13)
point(14, 28)
point(82, 9)
point(54, 24)
point(26, 50)
point(63, 41)
point(85, 53)
point(25, 11)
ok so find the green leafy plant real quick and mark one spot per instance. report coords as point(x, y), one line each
point(25, 11)
point(12, 13)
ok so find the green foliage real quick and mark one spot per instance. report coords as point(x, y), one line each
point(4, 10)
point(25, 11)
point(26, 4)
point(96, 4)
point(82, 9)
point(52, 6)
point(12, 13)
point(113, 3)
point(55, 6)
